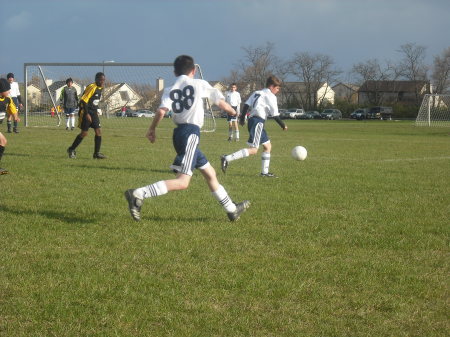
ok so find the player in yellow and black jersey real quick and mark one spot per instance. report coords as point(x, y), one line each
point(88, 116)
point(7, 106)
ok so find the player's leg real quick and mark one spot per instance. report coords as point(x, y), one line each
point(3, 143)
point(72, 121)
point(84, 123)
point(265, 160)
point(9, 122)
point(233, 210)
point(255, 128)
point(230, 128)
point(98, 143)
point(236, 130)
point(16, 116)
point(67, 118)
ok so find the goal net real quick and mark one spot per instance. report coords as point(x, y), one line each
point(131, 94)
point(434, 111)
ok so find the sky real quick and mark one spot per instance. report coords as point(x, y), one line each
point(215, 32)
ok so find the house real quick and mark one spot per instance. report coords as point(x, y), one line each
point(381, 92)
point(346, 92)
point(33, 95)
point(306, 95)
point(116, 96)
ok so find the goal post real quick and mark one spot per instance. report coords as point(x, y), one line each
point(130, 90)
point(434, 111)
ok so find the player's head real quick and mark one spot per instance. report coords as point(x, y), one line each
point(69, 81)
point(233, 87)
point(100, 79)
point(4, 87)
point(274, 84)
point(183, 65)
point(10, 77)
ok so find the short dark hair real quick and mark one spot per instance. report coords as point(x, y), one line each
point(98, 75)
point(183, 65)
point(273, 80)
point(10, 75)
point(69, 80)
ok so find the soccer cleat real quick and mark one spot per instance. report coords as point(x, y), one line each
point(67, 128)
point(240, 208)
point(99, 155)
point(134, 204)
point(223, 164)
point(229, 139)
point(268, 175)
point(71, 153)
point(16, 131)
point(3, 171)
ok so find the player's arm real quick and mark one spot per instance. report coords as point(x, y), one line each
point(151, 133)
point(226, 107)
point(244, 112)
point(280, 122)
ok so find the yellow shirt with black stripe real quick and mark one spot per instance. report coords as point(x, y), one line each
point(7, 106)
point(91, 97)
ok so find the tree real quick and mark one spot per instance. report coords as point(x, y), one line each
point(313, 70)
point(257, 65)
point(371, 75)
point(441, 72)
point(412, 66)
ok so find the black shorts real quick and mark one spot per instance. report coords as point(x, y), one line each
point(84, 124)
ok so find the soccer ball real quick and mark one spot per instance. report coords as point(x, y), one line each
point(299, 153)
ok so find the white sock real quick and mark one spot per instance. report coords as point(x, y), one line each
point(237, 155)
point(67, 122)
point(265, 160)
point(72, 120)
point(230, 133)
point(153, 190)
point(222, 197)
point(237, 134)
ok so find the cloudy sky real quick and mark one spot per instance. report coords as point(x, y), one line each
point(214, 31)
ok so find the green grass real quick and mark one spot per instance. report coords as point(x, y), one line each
point(354, 241)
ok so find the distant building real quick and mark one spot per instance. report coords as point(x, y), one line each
point(381, 92)
point(346, 92)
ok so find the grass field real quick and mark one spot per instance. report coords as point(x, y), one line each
point(354, 241)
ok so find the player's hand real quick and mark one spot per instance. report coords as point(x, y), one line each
point(89, 118)
point(151, 135)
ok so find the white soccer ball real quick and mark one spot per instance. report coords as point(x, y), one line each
point(299, 153)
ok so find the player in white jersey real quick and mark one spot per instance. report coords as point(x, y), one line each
point(263, 103)
point(233, 98)
point(15, 95)
point(185, 100)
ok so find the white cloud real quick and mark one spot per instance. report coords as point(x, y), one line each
point(18, 22)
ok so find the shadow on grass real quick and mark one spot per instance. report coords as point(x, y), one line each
point(51, 214)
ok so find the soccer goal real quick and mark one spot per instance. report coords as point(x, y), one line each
point(131, 94)
point(434, 111)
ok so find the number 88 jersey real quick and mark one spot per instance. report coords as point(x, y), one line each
point(185, 99)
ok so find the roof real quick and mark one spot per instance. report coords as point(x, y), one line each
point(392, 86)
point(350, 86)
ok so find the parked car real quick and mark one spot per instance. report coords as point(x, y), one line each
point(311, 115)
point(380, 112)
point(359, 113)
point(331, 114)
point(294, 113)
point(143, 113)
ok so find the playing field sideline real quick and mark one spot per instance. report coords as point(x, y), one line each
point(353, 241)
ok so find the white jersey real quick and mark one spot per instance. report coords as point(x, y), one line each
point(185, 99)
point(14, 90)
point(263, 103)
point(233, 98)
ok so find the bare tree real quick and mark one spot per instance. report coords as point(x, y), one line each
point(372, 76)
point(252, 71)
point(412, 67)
point(441, 72)
point(313, 71)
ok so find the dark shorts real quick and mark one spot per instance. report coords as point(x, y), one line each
point(186, 138)
point(84, 124)
point(69, 111)
point(233, 118)
point(257, 133)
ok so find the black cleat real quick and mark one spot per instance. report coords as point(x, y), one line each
point(223, 164)
point(16, 131)
point(134, 204)
point(71, 153)
point(240, 208)
point(268, 175)
point(229, 139)
point(99, 155)
point(3, 171)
